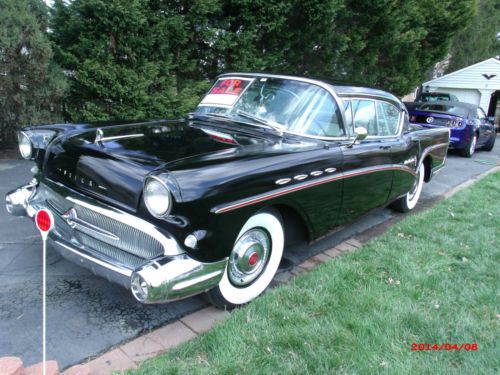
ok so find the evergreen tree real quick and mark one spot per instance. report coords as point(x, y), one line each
point(477, 41)
point(31, 86)
point(155, 58)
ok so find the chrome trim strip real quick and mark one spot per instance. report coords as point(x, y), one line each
point(283, 181)
point(429, 149)
point(300, 177)
point(330, 170)
point(91, 229)
point(316, 173)
point(290, 189)
point(122, 271)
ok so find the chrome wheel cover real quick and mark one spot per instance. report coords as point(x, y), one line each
point(249, 257)
point(473, 145)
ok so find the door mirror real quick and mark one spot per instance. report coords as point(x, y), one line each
point(361, 133)
point(491, 119)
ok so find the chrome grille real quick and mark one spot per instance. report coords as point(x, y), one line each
point(131, 240)
point(109, 250)
point(132, 247)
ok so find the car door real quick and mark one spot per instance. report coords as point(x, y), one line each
point(485, 127)
point(367, 164)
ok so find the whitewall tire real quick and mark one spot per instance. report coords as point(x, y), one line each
point(253, 262)
point(408, 201)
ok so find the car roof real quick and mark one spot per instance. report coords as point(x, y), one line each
point(341, 89)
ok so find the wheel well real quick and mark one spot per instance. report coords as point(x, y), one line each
point(428, 168)
point(295, 228)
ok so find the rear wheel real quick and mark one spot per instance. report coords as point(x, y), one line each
point(253, 261)
point(469, 150)
point(408, 201)
point(491, 142)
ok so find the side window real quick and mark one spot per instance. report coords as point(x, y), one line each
point(319, 116)
point(388, 117)
point(480, 114)
point(349, 126)
point(364, 115)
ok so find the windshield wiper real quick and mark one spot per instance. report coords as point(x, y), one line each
point(279, 128)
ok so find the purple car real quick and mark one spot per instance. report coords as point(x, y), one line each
point(469, 127)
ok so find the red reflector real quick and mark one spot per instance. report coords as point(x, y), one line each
point(43, 221)
point(253, 259)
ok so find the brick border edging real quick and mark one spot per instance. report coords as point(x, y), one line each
point(158, 341)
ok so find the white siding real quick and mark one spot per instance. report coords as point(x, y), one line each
point(471, 77)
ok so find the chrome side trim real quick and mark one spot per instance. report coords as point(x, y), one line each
point(300, 177)
point(293, 188)
point(283, 181)
point(170, 246)
point(316, 173)
point(429, 149)
point(330, 170)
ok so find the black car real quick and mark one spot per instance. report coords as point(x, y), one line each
point(210, 203)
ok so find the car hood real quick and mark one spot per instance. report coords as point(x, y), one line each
point(111, 163)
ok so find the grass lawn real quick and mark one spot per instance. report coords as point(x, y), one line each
point(433, 278)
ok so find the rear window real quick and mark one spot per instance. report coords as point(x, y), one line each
point(448, 109)
point(433, 97)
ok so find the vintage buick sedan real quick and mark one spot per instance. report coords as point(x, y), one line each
point(170, 209)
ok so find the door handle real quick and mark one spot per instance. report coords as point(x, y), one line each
point(385, 147)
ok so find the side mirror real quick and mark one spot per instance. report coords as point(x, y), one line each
point(491, 119)
point(360, 134)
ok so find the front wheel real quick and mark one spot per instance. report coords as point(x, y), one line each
point(491, 142)
point(408, 201)
point(253, 261)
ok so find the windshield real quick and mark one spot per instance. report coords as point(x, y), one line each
point(284, 104)
point(448, 109)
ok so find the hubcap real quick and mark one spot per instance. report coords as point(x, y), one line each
point(249, 257)
point(473, 145)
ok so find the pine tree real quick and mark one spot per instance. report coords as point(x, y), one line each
point(477, 41)
point(31, 86)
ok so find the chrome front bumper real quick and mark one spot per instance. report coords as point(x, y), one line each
point(163, 278)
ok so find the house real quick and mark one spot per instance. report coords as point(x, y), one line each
point(477, 84)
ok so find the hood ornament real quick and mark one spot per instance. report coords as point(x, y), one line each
point(99, 134)
point(100, 138)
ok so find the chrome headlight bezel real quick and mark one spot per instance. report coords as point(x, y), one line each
point(160, 205)
point(25, 145)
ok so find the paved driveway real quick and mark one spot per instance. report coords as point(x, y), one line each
point(87, 315)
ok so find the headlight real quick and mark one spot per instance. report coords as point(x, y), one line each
point(25, 145)
point(157, 198)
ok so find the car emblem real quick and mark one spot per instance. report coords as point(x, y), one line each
point(70, 216)
point(429, 120)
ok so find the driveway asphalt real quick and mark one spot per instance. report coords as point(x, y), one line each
point(87, 315)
